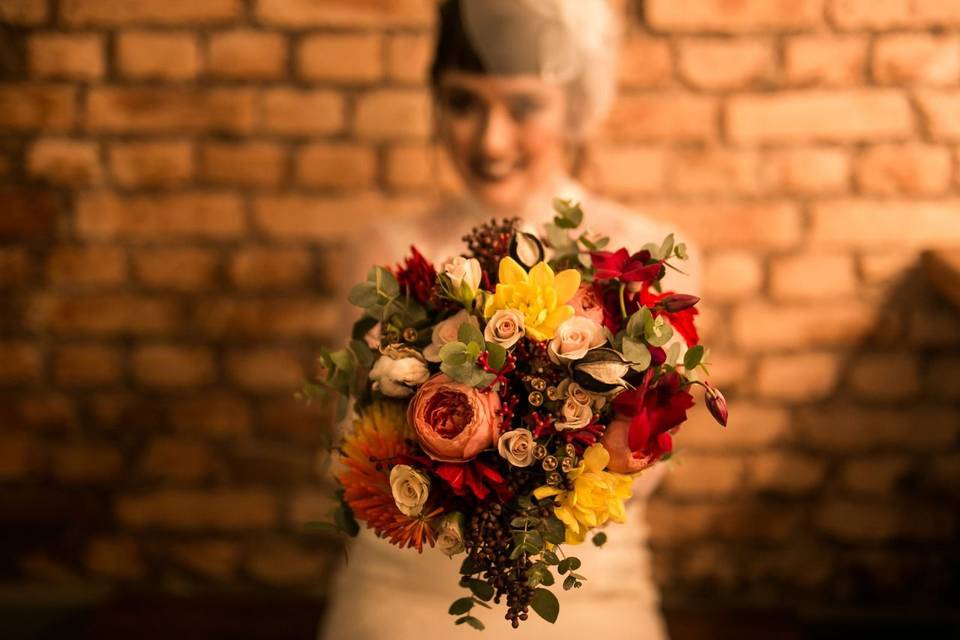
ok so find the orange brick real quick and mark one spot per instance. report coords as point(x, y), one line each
point(346, 13)
point(18, 456)
point(154, 12)
point(806, 171)
point(59, 55)
point(825, 60)
point(645, 62)
point(713, 171)
point(116, 558)
point(65, 162)
point(82, 463)
point(341, 58)
point(87, 365)
point(300, 218)
point(259, 164)
point(834, 116)
point(703, 474)
point(186, 215)
point(177, 459)
point(337, 166)
point(265, 268)
point(630, 170)
point(786, 473)
point(151, 164)
point(25, 12)
point(885, 376)
point(941, 113)
point(169, 110)
point(844, 428)
point(293, 111)
point(726, 64)
point(286, 564)
point(408, 57)
point(933, 328)
point(27, 213)
point(763, 327)
point(16, 267)
point(393, 114)
point(907, 58)
point(224, 319)
point(941, 376)
point(247, 54)
point(887, 267)
point(806, 377)
point(663, 117)
point(732, 275)
point(878, 474)
point(726, 225)
point(904, 169)
point(158, 55)
point(30, 107)
point(216, 559)
point(739, 17)
point(172, 366)
point(295, 422)
point(893, 14)
point(215, 415)
point(853, 521)
point(879, 223)
point(46, 412)
point(20, 362)
point(265, 370)
point(198, 510)
point(420, 166)
point(181, 269)
point(87, 265)
point(811, 276)
point(102, 314)
point(310, 505)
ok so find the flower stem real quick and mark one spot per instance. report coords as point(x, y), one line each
point(623, 304)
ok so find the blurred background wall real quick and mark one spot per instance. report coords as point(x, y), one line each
point(175, 174)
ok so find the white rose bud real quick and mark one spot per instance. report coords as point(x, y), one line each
point(447, 331)
point(505, 328)
point(517, 447)
point(398, 372)
point(465, 276)
point(450, 535)
point(574, 338)
point(576, 415)
point(410, 489)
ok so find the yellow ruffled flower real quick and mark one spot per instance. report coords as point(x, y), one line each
point(597, 495)
point(540, 296)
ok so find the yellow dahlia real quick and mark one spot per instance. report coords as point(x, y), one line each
point(597, 495)
point(540, 296)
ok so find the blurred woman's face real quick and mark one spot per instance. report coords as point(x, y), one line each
point(505, 134)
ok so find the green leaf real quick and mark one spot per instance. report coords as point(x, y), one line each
point(521, 522)
point(530, 541)
point(473, 622)
point(691, 360)
point(666, 248)
point(553, 530)
point(480, 589)
point(681, 251)
point(599, 539)
point(365, 355)
point(461, 606)
point(469, 333)
point(550, 557)
point(637, 353)
point(570, 214)
point(569, 582)
point(539, 574)
point(363, 295)
point(469, 566)
point(571, 563)
point(497, 356)
point(343, 517)
point(545, 604)
point(387, 285)
point(673, 353)
point(657, 331)
point(454, 354)
point(637, 323)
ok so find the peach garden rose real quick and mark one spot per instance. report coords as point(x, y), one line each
point(452, 421)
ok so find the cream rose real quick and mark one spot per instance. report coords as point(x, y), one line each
point(450, 535)
point(516, 447)
point(398, 371)
point(575, 414)
point(465, 276)
point(410, 489)
point(505, 328)
point(574, 338)
point(569, 388)
point(447, 331)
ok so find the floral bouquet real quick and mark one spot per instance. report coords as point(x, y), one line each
point(505, 403)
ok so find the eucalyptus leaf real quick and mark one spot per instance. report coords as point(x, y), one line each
point(461, 606)
point(553, 530)
point(550, 557)
point(473, 622)
point(469, 566)
point(637, 353)
point(454, 354)
point(666, 248)
point(637, 323)
point(693, 357)
point(545, 604)
point(480, 589)
point(657, 331)
point(469, 333)
point(673, 354)
point(497, 356)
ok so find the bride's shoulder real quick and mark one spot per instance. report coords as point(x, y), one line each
point(614, 218)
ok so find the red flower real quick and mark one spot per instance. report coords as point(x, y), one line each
point(620, 265)
point(417, 277)
point(682, 321)
point(654, 412)
point(472, 477)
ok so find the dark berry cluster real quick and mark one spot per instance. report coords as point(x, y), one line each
point(489, 243)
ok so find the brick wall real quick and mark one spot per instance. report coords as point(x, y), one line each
point(173, 178)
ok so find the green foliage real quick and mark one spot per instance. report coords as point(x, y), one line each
point(569, 214)
point(545, 604)
point(479, 588)
point(461, 606)
point(553, 529)
point(469, 566)
point(539, 574)
point(637, 353)
point(693, 357)
point(599, 539)
point(473, 622)
point(571, 563)
point(656, 331)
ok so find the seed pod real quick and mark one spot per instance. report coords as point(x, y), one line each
point(540, 452)
point(554, 479)
point(526, 249)
point(535, 398)
point(567, 465)
point(549, 463)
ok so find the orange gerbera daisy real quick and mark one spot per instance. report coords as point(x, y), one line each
point(379, 435)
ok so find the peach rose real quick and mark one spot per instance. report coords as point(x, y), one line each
point(615, 441)
point(586, 303)
point(452, 421)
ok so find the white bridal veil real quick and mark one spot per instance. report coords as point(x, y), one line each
point(572, 42)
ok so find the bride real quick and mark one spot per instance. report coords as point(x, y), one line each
point(519, 84)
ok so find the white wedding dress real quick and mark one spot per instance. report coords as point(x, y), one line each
point(385, 593)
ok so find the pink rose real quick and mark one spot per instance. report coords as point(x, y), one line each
point(452, 421)
point(615, 442)
point(587, 303)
